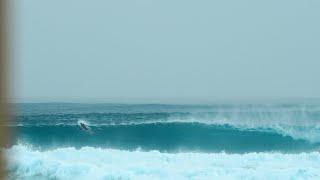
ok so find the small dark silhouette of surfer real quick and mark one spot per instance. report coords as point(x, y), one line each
point(84, 126)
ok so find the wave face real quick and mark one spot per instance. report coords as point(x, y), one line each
point(97, 163)
point(171, 128)
point(167, 137)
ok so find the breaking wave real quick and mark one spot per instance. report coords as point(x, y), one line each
point(166, 137)
point(99, 163)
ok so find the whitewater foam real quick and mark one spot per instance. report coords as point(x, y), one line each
point(96, 163)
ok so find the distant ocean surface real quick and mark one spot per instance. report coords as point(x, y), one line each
point(150, 141)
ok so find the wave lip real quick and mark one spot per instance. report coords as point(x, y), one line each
point(97, 163)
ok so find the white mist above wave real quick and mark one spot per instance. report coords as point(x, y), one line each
point(309, 131)
point(96, 163)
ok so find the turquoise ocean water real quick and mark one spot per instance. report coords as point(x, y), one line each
point(151, 141)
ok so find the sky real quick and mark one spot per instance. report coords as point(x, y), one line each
point(164, 50)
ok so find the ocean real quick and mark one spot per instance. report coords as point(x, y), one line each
point(158, 141)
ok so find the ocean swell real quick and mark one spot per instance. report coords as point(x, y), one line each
point(287, 120)
point(165, 137)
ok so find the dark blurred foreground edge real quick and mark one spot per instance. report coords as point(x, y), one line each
point(3, 87)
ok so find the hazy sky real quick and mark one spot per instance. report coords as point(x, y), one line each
point(69, 50)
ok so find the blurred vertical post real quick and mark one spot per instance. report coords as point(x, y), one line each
point(3, 85)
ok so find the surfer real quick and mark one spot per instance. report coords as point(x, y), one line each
point(83, 126)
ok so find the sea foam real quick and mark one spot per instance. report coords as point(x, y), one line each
point(96, 163)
